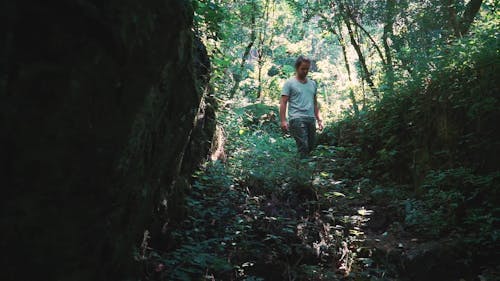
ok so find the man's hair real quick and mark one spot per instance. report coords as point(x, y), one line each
point(300, 60)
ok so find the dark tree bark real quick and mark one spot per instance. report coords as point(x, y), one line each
point(453, 17)
point(470, 13)
point(388, 30)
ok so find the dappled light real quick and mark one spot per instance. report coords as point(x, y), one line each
point(251, 140)
point(364, 205)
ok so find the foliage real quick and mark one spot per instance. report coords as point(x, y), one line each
point(257, 139)
point(264, 214)
point(432, 145)
point(416, 103)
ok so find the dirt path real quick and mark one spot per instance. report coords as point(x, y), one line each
point(315, 223)
point(263, 214)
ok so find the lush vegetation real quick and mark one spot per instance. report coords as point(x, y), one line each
point(404, 184)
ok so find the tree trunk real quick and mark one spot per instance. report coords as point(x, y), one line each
point(379, 52)
point(354, 43)
point(260, 48)
point(388, 29)
point(343, 45)
point(471, 10)
point(244, 58)
point(452, 17)
point(259, 78)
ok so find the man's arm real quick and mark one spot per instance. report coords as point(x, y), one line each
point(283, 103)
point(316, 113)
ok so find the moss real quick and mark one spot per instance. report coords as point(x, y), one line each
point(92, 139)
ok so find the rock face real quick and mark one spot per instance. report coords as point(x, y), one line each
point(99, 101)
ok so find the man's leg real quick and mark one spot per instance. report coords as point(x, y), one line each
point(298, 129)
point(311, 134)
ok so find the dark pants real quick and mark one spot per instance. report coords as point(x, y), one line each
point(303, 131)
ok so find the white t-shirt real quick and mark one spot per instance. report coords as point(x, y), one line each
point(300, 97)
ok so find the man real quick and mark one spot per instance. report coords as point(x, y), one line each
point(299, 93)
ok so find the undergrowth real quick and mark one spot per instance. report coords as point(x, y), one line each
point(423, 157)
point(265, 214)
point(431, 148)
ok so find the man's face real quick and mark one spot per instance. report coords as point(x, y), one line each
point(303, 69)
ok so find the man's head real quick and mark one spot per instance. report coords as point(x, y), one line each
point(302, 65)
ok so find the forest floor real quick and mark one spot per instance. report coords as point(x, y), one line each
point(261, 213)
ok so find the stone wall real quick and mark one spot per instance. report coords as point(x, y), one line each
point(99, 100)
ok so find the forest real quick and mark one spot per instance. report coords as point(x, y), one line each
point(142, 141)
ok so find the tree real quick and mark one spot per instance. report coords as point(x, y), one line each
point(239, 72)
point(264, 40)
point(470, 13)
point(347, 18)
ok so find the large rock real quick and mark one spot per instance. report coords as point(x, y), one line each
point(98, 104)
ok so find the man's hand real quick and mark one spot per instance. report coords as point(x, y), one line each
point(284, 126)
point(320, 124)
